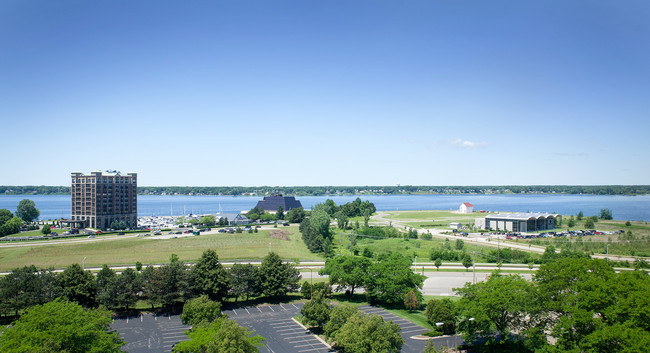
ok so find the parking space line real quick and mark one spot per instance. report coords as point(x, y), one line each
point(291, 329)
point(313, 349)
point(247, 310)
point(258, 308)
point(285, 309)
point(294, 305)
point(235, 311)
point(270, 307)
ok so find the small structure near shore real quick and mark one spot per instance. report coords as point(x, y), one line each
point(466, 207)
point(273, 202)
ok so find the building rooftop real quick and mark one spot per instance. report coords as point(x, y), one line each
point(521, 216)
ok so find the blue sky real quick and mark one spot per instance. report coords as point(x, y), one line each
point(326, 93)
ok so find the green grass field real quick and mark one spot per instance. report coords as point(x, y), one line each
point(147, 250)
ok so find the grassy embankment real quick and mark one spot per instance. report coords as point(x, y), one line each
point(126, 251)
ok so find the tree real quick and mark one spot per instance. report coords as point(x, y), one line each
point(410, 301)
point(341, 220)
point(126, 287)
point(589, 223)
point(118, 225)
point(605, 213)
point(295, 215)
point(167, 284)
point(5, 215)
point(430, 347)
point(369, 333)
point(11, 226)
point(579, 216)
point(316, 311)
point(338, 316)
point(27, 210)
point(502, 303)
point(105, 280)
point(245, 281)
point(280, 213)
point(209, 277)
point(220, 336)
point(20, 289)
point(61, 326)
point(348, 272)
point(390, 278)
point(315, 231)
point(571, 223)
point(442, 310)
point(467, 261)
point(460, 244)
point(200, 310)
point(438, 263)
point(207, 220)
point(78, 285)
point(46, 230)
point(278, 278)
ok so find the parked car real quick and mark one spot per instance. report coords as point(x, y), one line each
point(91, 236)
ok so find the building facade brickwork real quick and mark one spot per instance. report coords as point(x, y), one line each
point(99, 198)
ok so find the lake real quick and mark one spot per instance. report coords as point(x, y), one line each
point(636, 208)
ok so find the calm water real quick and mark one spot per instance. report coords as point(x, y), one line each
point(623, 207)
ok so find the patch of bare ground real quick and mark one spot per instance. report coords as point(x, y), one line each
point(279, 234)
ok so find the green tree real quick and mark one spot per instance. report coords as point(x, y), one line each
point(572, 222)
point(605, 213)
point(295, 215)
point(589, 223)
point(579, 216)
point(460, 244)
point(442, 310)
point(220, 336)
point(467, 261)
point(46, 230)
point(348, 272)
point(316, 311)
point(126, 287)
point(209, 277)
point(438, 263)
point(27, 211)
point(390, 278)
point(118, 225)
point(278, 278)
point(430, 347)
point(61, 326)
point(369, 333)
point(200, 310)
point(174, 281)
point(338, 317)
point(20, 289)
point(78, 285)
point(341, 220)
point(105, 280)
point(5, 215)
point(245, 281)
point(280, 213)
point(208, 220)
point(11, 226)
point(502, 304)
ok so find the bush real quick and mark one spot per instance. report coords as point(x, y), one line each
point(433, 333)
point(426, 236)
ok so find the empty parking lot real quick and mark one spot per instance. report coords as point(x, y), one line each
point(150, 333)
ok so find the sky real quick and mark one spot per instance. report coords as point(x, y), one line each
point(283, 93)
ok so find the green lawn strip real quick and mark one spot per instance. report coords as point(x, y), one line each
point(126, 251)
point(416, 316)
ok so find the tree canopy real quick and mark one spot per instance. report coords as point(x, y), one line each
point(61, 326)
point(278, 278)
point(27, 210)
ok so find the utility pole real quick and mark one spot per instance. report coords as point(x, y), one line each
point(416, 264)
point(607, 256)
point(498, 248)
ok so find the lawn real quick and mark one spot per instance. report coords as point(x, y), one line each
point(126, 251)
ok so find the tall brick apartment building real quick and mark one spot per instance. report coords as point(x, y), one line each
point(99, 198)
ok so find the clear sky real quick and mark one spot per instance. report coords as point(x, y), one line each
point(217, 93)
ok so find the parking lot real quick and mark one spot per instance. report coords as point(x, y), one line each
point(150, 333)
point(282, 333)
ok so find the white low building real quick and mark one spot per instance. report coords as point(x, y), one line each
point(466, 207)
point(455, 225)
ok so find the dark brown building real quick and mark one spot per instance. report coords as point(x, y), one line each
point(99, 198)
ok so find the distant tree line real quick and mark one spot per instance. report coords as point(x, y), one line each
point(168, 285)
point(352, 190)
point(26, 212)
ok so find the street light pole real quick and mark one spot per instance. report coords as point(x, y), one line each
point(83, 264)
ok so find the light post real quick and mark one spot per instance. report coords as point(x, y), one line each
point(83, 263)
point(311, 286)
